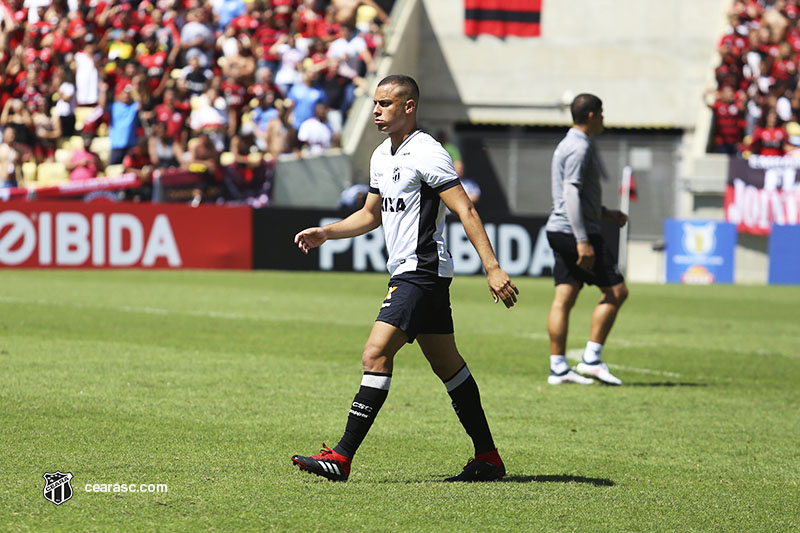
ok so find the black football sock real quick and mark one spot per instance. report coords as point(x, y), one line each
point(373, 392)
point(467, 403)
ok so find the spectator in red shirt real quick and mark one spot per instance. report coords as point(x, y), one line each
point(235, 94)
point(770, 138)
point(250, 20)
point(284, 10)
point(735, 41)
point(156, 63)
point(137, 160)
point(729, 70)
point(76, 26)
point(265, 37)
point(14, 14)
point(784, 67)
point(60, 42)
point(329, 29)
point(172, 112)
point(728, 121)
point(768, 48)
point(309, 21)
point(31, 87)
point(42, 26)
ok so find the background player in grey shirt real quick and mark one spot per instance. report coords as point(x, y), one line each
point(581, 255)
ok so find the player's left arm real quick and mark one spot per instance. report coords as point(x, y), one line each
point(615, 215)
point(500, 285)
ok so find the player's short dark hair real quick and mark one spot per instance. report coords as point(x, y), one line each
point(582, 105)
point(409, 88)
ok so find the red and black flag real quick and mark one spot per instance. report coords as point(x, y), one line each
point(502, 18)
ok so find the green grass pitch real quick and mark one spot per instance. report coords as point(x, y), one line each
point(208, 382)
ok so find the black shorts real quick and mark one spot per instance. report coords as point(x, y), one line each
point(605, 272)
point(418, 304)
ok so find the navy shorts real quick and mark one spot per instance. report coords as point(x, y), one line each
point(604, 273)
point(418, 303)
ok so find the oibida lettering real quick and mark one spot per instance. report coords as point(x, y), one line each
point(75, 239)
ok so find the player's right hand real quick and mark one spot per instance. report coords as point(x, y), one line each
point(310, 238)
point(502, 288)
point(585, 255)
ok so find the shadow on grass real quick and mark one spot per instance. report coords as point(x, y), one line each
point(664, 384)
point(563, 478)
point(553, 478)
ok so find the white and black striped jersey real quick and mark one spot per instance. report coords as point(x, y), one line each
point(409, 182)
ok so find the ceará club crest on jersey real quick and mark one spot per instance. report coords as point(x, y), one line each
point(57, 488)
point(396, 174)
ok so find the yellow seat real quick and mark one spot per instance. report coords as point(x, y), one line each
point(81, 114)
point(76, 141)
point(63, 155)
point(102, 147)
point(29, 172)
point(52, 173)
point(114, 170)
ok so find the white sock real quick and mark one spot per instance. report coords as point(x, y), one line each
point(558, 364)
point(593, 353)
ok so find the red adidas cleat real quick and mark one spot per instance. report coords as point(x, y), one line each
point(327, 463)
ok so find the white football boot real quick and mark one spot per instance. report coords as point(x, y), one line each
point(599, 371)
point(568, 377)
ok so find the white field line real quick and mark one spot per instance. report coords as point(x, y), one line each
point(240, 316)
point(154, 310)
point(127, 308)
point(617, 340)
point(577, 355)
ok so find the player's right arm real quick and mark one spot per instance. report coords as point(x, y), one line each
point(362, 221)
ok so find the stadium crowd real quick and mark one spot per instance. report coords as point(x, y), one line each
point(756, 102)
point(222, 87)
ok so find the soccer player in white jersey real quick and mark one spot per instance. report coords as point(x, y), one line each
point(412, 179)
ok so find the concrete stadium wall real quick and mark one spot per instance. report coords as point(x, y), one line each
point(648, 60)
point(311, 181)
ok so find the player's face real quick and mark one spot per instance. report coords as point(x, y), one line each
point(596, 122)
point(392, 110)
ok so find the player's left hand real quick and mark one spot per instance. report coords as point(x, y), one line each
point(617, 216)
point(501, 287)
